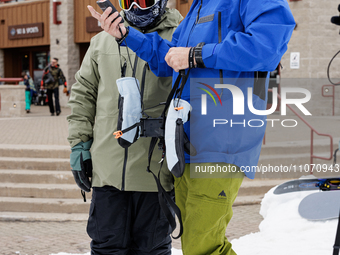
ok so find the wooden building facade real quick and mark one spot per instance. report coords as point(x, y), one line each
point(25, 36)
point(25, 28)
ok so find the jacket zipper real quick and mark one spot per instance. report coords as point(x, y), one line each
point(126, 149)
point(196, 21)
point(219, 41)
point(146, 67)
point(124, 168)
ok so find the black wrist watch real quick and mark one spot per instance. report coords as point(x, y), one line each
point(119, 41)
point(191, 58)
point(198, 55)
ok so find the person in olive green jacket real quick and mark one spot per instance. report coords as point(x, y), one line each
point(125, 216)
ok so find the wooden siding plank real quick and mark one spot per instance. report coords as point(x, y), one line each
point(2, 27)
point(24, 20)
point(74, 19)
point(47, 26)
point(15, 19)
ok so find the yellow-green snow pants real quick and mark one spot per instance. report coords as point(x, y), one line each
point(206, 208)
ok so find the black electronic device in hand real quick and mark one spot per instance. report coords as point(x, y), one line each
point(105, 4)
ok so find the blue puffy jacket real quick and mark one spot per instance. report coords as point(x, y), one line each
point(244, 39)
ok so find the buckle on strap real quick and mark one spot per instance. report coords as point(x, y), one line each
point(118, 134)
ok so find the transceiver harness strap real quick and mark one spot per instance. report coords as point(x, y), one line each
point(162, 194)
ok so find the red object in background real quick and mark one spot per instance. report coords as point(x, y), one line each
point(11, 80)
point(55, 13)
point(313, 130)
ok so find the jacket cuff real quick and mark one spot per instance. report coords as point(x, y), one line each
point(87, 145)
point(208, 56)
point(135, 39)
point(119, 41)
point(83, 145)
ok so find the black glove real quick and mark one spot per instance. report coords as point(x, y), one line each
point(82, 177)
point(81, 165)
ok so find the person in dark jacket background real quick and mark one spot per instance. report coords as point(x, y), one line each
point(52, 77)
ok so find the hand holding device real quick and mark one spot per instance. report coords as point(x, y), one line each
point(104, 4)
point(114, 28)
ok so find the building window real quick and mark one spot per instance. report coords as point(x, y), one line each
point(39, 60)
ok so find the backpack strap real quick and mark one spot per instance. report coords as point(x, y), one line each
point(162, 194)
point(175, 92)
point(165, 201)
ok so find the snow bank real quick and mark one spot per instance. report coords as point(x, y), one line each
point(283, 231)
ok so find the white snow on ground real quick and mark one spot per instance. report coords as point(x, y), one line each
point(62, 253)
point(174, 252)
point(283, 231)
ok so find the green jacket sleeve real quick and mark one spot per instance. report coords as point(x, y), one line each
point(62, 76)
point(83, 101)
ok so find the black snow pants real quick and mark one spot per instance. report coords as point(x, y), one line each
point(127, 223)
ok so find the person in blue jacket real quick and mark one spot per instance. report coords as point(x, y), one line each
point(235, 42)
point(28, 96)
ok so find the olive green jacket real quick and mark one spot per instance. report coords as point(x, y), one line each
point(57, 74)
point(94, 104)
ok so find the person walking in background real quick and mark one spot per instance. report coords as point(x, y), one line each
point(28, 97)
point(52, 77)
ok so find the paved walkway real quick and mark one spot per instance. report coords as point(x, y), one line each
point(43, 238)
point(37, 127)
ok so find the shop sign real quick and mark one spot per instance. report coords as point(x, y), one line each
point(25, 31)
point(295, 60)
point(92, 25)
